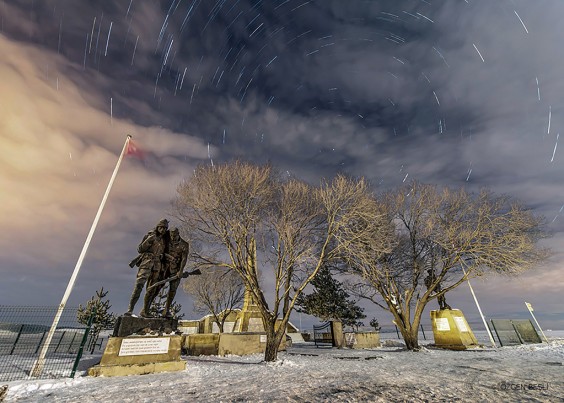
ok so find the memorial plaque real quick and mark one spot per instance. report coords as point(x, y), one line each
point(526, 330)
point(263, 338)
point(505, 332)
point(460, 323)
point(144, 346)
point(442, 324)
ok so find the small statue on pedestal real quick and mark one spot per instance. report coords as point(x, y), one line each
point(429, 281)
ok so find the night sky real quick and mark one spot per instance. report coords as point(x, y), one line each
point(461, 93)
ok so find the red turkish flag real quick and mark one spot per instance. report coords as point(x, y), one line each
point(133, 149)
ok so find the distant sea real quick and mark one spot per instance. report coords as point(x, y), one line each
point(481, 336)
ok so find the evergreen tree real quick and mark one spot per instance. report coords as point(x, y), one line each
point(158, 305)
point(103, 319)
point(330, 301)
point(375, 324)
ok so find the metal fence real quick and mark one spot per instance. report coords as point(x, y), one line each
point(323, 334)
point(23, 330)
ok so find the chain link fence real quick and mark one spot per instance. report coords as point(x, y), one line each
point(24, 329)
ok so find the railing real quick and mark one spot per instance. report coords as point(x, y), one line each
point(323, 335)
point(23, 330)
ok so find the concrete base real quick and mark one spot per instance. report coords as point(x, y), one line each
point(137, 369)
point(451, 331)
point(145, 355)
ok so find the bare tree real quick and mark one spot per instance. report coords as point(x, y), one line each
point(245, 216)
point(442, 238)
point(216, 291)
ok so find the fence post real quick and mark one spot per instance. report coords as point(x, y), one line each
point(40, 341)
point(424, 338)
point(83, 342)
point(71, 342)
point(60, 340)
point(517, 332)
point(94, 344)
point(496, 333)
point(17, 338)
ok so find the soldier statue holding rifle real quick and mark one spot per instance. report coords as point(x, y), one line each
point(162, 257)
point(176, 257)
point(150, 262)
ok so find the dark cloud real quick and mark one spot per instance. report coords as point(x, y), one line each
point(452, 93)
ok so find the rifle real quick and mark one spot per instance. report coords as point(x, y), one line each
point(176, 277)
point(136, 261)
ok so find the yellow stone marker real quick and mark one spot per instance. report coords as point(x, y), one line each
point(451, 331)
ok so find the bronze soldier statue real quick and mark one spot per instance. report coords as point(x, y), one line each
point(429, 280)
point(150, 261)
point(176, 257)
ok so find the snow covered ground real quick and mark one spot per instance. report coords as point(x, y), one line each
point(304, 373)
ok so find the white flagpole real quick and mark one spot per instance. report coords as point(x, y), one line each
point(530, 308)
point(480, 310)
point(40, 362)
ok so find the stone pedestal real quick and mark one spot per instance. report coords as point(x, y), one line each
point(451, 331)
point(130, 325)
point(138, 355)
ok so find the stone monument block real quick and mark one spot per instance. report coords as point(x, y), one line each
point(138, 355)
point(360, 340)
point(244, 343)
point(227, 343)
point(201, 344)
point(451, 331)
